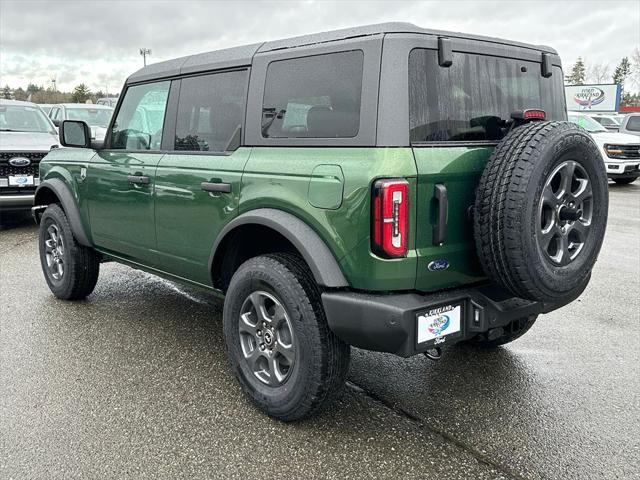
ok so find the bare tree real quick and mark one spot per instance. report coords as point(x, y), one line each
point(634, 76)
point(599, 73)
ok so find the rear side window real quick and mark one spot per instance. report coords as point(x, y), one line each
point(210, 110)
point(140, 120)
point(473, 98)
point(633, 124)
point(313, 97)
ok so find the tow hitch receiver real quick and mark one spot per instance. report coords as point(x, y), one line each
point(434, 354)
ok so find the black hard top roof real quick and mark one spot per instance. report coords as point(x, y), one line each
point(239, 56)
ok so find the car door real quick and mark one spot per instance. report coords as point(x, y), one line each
point(121, 177)
point(197, 184)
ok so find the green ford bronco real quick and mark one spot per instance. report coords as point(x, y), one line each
point(387, 187)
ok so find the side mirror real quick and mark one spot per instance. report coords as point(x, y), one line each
point(75, 133)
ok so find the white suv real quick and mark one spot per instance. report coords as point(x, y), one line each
point(621, 152)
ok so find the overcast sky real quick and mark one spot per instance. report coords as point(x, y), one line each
point(98, 42)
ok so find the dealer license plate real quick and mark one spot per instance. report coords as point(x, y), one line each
point(20, 180)
point(436, 324)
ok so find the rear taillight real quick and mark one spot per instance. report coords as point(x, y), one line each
point(534, 114)
point(390, 224)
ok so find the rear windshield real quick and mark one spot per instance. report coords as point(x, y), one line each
point(473, 98)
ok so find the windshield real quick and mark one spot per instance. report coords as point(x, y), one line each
point(23, 118)
point(94, 117)
point(607, 121)
point(589, 124)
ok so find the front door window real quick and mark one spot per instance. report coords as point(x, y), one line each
point(138, 125)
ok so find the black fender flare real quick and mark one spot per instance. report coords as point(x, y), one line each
point(313, 249)
point(68, 203)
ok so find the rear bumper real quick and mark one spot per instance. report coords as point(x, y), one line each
point(388, 323)
point(15, 202)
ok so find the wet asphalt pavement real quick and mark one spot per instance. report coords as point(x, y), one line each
point(133, 383)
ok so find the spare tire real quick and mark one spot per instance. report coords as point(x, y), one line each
point(541, 211)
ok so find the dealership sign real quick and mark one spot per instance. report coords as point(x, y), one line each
point(593, 98)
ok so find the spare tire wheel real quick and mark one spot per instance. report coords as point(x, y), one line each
point(541, 211)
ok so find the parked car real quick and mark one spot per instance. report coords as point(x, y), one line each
point(326, 186)
point(96, 116)
point(108, 101)
point(26, 136)
point(620, 152)
point(609, 122)
point(620, 117)
point(631, 124)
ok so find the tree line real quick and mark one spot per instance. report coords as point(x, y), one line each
point(38, 94)
point(626, 73)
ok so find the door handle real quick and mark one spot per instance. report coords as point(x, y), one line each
point(442, 204)
point(217, 187)
point(139, 179)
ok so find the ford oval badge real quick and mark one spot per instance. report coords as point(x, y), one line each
point(19, 161)
point(438, 265)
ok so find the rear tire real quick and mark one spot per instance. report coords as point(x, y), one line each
point(280, 348)
point(625, 180)
point(70, 269)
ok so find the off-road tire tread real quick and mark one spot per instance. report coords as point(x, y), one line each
point(333, 354)
point(501, 193)
point(83, 266)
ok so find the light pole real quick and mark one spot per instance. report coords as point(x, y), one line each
point(144, 52)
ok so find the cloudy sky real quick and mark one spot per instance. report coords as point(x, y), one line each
point(97, 42)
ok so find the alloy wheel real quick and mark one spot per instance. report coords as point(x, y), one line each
point(266, 338)
point(54, 252)
point(565, 213)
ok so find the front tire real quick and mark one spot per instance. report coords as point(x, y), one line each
point(280, 348)
point(70, 269)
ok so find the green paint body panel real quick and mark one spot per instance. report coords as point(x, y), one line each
point(121, 213)
point(170, 224)
point(67, 164)
point(278, 177)
point(326, 187)
point(459, 169)
point(188, 219)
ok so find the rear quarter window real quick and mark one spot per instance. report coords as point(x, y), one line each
point(313, 97)
point(473, 98)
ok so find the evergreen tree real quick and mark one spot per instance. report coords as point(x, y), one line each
point(6, 93)
point(578, 73)
point(81, 93)
point(622, 72)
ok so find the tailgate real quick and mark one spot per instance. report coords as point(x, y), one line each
point(458, 168)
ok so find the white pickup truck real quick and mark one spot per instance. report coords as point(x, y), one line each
point(620, 151)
